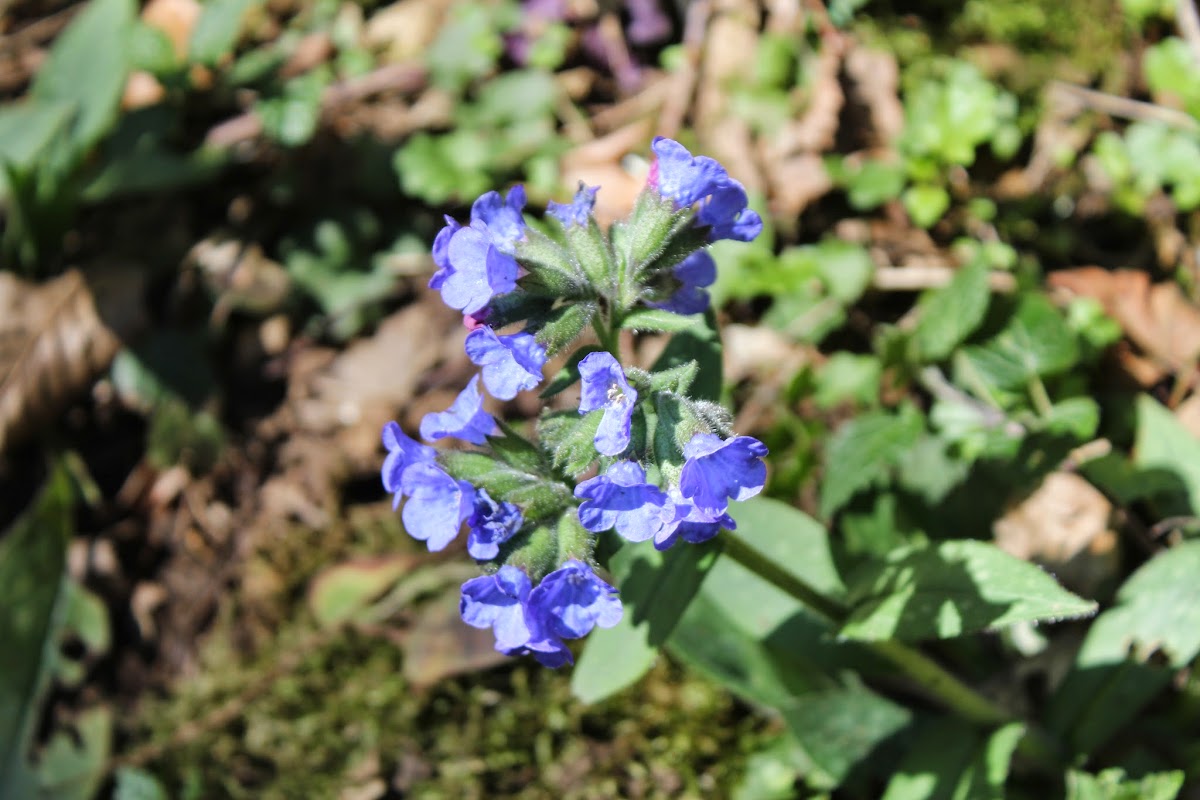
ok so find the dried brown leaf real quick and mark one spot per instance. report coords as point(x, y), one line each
point(1157, 317)
point(874, 83)
point(440, 645)
point(53, 343)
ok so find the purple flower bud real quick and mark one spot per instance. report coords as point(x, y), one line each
point(403, 452)
point(604, 386)
point(465, 419)
point(717, 470)
point(578, 211)
point(694, 272)
point(437, 504)
point(491, 525)
point(573, 600)
point(511, 364)
point(621, 499)
point(678, 175)
point(478, 270)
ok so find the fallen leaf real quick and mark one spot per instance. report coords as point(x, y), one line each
point(1157, 317)
point(1064, 526)
point(441, 645)
point(874, 84)
point(53, 344)
point(796, 183)
point(339, 592)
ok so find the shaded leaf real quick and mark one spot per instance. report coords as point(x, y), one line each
point(653, 319)
point(1111, 784)
point(952, 589)
point(217, 30)
point(656, 588)
point(73, 764)
point(701, 344)
point(340, 592)
point(1166, 448)
point(862, 452)
point(1035, 342)
point(951, 760)
point(948, 315)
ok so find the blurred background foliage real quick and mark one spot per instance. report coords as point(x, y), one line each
point(973, 314)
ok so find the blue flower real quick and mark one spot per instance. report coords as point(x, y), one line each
point(678, 175)
point(717, 470)
point(694, 272)
point(501, 602)
point(502, 218)
point(441, 253)
point(573, 600)
point(403, 452)
point(511, 364)
point(692, 524)
point(578, 211)
point(465, 419)
point(604, 386)
point(478, 270)
point(437, 504)
point(621, 498)
point(491, 525)
point(727, 216)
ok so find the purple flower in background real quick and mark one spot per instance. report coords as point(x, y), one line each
point(403, 452)
point(621, 499)
point(441, 253)
point(693, 524)
point(437, 504)
point(491, 525)
point(572, 600)
point(604, 386)
point(694, 272)
point(727, 216)
point(683, 178)
point(511, 364)
point(579, 209)
point(717, 470)
point(502, 217)
point(477, 272)
point(501, 602)
point(647, 22)
point(465, 419)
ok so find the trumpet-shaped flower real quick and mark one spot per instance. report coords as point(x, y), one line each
point(693, 273)
point(572, 600)
point(403, 452)
point(511, 364)
point(501, 602)
point(437, 504)
point(692, 524)
point(490, 525)
point(578, 211)
point(717, 471)
point(465, 419)
point(621, 499)
point(604, 386)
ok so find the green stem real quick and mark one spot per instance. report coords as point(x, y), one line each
point(960, 698)
point(1040, 397)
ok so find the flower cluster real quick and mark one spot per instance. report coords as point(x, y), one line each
point(663, 465)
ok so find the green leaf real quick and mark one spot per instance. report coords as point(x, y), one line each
point(72, 765)
point(217, 31)
point(1168, 450)
point(27, 128)
point(563, 325)
point(950, 314)
point(925, 204)
point(873, 184)
point(33, 556)
point(86, 619)
point(1035, 342)
point(1111, 784)
point(137, 784)
point(571, 438)
point(771, 772)
point(86, 68)
point(340, 592)
point(845, 268)
point(863, 450)
point(952, 589)
point(950, 759)
point(657, 320)
point(701, 344)
point(848, 377)
point(656, 589)
point(515, 450)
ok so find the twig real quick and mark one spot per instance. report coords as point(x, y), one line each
point(1189, 25)
point(393, 77)
point(1111, 104)
point(917, 278)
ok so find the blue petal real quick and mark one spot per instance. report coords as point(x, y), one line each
point(503, 219)
point(437, 505)
point(574, 600)
point(465, 419)
point(717, 471)
point(681, 177)
point(403, 452)
point(578, 211)
point(622, 500)
point(511, 364)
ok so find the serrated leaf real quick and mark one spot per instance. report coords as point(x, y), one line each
point(1035, 342)
point(952, 589)
point(340, 592)
point(656, 588)
point(863, 451)
point(948, 315)
point(1169, 450)
point(951, 760)
point(657, 320)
